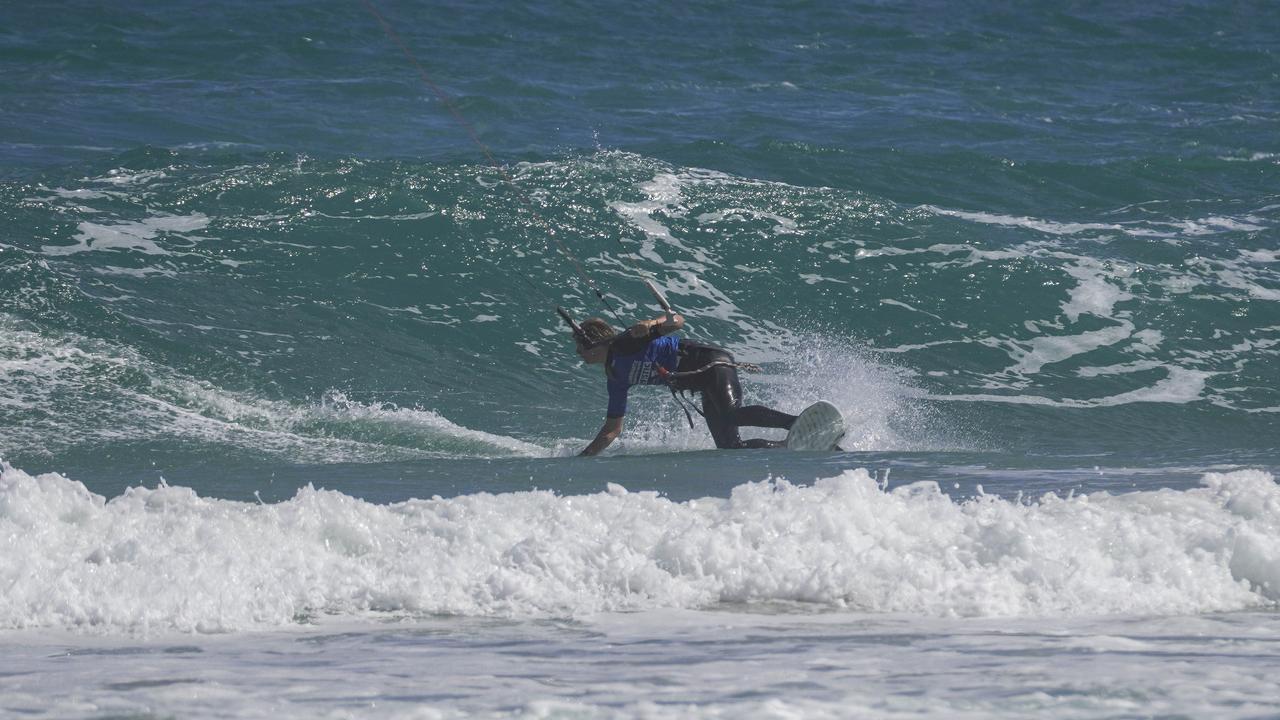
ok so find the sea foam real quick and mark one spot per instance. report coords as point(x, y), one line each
point(166, 559)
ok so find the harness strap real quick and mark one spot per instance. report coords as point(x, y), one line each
point(749, 367)
point(685, 404)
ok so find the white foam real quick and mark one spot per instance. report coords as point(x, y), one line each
point(1260, 256)
point(1180, 284)
point(899, 303)
point(1133, 367)
point(1253, 157)
point(138, 236)
point(663, 193)
point(1180, 386)
point(1106, 289)
point(123, 176)
point(1211, 225)
point(1216, 224)
point(1093, 295)
point(1045, 226)
point(1146, 341)
point(782, 225)
point(165, 558)
point(1034, 354)
point(83, 194)
point(1243, 280)
point(1249, 272)
point(814, 279)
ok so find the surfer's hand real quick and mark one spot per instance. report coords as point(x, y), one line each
point(665, 325)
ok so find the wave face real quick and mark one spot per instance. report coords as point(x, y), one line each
point(376, 310)
point(970, 229)
point(168, 559)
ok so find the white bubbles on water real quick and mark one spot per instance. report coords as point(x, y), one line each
point(165, 558)
point(876, 397)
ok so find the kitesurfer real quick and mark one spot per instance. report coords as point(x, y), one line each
point(646, 354)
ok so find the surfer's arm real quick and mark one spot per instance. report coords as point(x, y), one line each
point(608, 433)
point(665, 325)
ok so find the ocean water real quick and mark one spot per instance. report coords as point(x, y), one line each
point(288, 423)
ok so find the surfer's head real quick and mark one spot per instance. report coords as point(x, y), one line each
point(593, 343)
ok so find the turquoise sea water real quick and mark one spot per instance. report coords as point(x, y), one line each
point(270, 322)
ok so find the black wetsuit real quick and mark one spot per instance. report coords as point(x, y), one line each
point(722, 397)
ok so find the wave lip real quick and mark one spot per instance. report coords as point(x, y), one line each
point(167, 559)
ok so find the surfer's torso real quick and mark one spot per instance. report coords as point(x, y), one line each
point(638, 361)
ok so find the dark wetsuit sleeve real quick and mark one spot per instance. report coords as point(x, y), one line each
point(627, 345)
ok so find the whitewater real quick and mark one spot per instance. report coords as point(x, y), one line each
point(779, 600)
point(166, 559)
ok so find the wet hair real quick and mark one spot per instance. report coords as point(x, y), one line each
point(596, 330)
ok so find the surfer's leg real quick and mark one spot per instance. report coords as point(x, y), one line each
point(720, 398)
point(751, 415)
point(722, 406)
point(761, 416)
point(721, 426)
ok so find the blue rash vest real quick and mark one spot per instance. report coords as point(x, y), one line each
point(634, 361)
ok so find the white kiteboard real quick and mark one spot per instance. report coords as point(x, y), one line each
point(819, 427)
